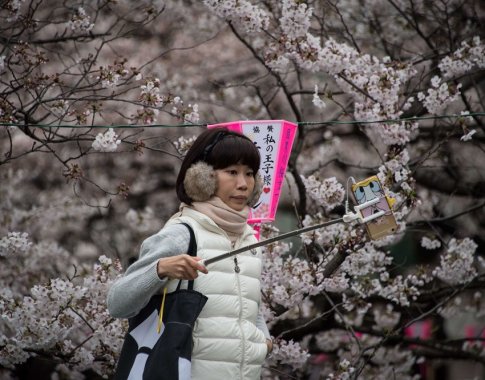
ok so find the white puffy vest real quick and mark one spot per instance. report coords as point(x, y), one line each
point(227, 343)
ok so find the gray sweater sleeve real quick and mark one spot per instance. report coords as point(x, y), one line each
point(261, 324)
point(129, 294)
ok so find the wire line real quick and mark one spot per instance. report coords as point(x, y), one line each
point(135, 126)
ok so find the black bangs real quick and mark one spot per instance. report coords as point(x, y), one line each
point(232, 150)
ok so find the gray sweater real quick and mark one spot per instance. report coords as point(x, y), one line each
point(129, 294)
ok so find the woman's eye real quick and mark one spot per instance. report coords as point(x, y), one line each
point(250, 174)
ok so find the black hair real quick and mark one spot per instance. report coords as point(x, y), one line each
point(220, 148)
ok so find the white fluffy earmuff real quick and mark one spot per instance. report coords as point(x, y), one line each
point(200, 183)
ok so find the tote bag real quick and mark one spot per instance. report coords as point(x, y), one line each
point(162, 351)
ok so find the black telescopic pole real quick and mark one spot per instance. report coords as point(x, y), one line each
point(271, 240)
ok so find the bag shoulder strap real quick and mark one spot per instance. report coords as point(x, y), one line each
point(192, 244)
point(192, 251)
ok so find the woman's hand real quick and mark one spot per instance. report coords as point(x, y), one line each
point(269, 344)
point(182, 267)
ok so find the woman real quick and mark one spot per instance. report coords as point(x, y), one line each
point(217, 184)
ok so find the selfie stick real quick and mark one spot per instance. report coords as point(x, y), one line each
point(347, 218)
point(350, 216)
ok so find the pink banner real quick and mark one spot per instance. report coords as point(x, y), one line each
point(274, 139)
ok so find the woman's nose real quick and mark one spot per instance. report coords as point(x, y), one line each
point(242, 182)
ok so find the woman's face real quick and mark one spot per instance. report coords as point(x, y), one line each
point(234, 185)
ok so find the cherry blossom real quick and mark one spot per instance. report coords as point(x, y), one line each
point(456, 265)
point(328, 192)
point(14, 243)
point(317, 102)
point(80, 21)
point(463, 59)
point(369, 75)
point(106, 142)
point(430, 244)
point(241, 12)
point(439, 95)
point(468, 136)
point(289, 353)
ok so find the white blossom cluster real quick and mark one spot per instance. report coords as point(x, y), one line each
point(60, 107)
point(366, 261)
point(478, 302)
point(465, 303)
point(14, 8)
point(452, 308)
point(332, 340)
point(183, 144)
point(468, 133)
point(80, 21)
point(24, 264)
point(367, 270)
point(252, 107)
point(287, 281)
point(295, 18)
point(355, 311)
point(328, 193)
point(288, 352)
point(14, 243)
point(456, 264)
point(336, 283)
point(193, 115)
point(106, 142)
point(403, 290)
point(464, 59)
point(110, 75)
point(427, 243)
point(151, 99)
point(150, 93)
point(316, 100)
point(141, 220)
point(329, 237)
point(386, 319)
point(70, 317)
point(387, 362)
point(439, 96)
point(376, 86)
point(188, 113)
point(474, 346)
point(384, 83)
point(109, 79)
point(241, 12)
point(468, 136)
point(344, 371)
point(52, 214)
point(279, 63)
point(397, 167)
point(426, 203)
point(391, 362)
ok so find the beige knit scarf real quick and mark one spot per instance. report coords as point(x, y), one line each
point(232, 221)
